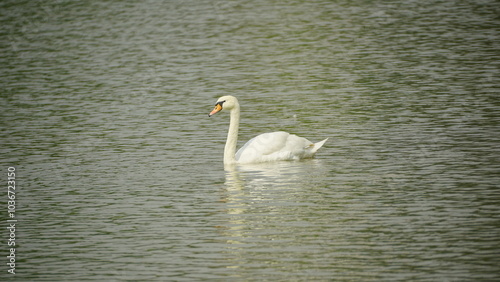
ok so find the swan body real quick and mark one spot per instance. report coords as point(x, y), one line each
point(266, 147)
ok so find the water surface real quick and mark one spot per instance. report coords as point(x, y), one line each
point(120, 173)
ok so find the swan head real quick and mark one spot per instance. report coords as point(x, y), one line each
point(227, 103)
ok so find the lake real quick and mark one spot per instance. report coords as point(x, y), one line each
point(119, 172)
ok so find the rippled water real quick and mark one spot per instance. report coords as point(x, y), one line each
point(119, 169)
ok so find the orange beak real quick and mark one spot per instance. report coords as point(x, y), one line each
point(218, 108)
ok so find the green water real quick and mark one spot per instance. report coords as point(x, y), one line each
point(119, 170)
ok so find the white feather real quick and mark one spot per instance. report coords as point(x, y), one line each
point(277, 146)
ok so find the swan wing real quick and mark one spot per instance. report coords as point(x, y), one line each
point(275, 146)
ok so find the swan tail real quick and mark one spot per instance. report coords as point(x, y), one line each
point(318, 145)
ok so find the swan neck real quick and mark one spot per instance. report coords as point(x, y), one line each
point(232, 136)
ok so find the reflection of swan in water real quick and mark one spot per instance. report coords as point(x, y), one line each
point(291, 174)
point(266, 185)
point(258, 197)
point(267, 147)
point(275, 175)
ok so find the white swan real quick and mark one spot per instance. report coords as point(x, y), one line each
point(273, 146)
